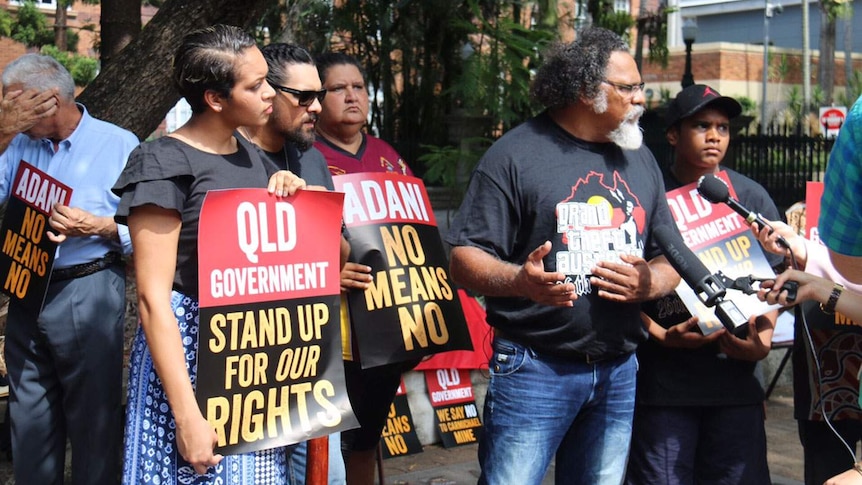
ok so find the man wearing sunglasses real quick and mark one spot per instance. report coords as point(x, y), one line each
point(287, 140)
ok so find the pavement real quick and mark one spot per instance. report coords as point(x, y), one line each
point(458, 466)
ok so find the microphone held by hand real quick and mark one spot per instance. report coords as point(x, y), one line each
point(716, 191)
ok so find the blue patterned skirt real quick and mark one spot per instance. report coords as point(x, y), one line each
point(151, 455)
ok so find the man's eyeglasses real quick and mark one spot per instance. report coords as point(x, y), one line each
point(628, 90)
point(305, 98)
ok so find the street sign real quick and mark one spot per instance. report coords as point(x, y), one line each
point(831, 119)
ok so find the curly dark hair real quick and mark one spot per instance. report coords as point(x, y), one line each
point(576, 69)
point(205, 61)
point(280, 55)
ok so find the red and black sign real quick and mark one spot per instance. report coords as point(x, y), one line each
point(270, 371)
point(411, 308)
point(28, 254)
point(455, 411)
point(399, 436)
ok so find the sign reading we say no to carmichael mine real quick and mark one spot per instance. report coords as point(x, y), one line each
point(270, 371)
point(411, 308)
point(28, 254)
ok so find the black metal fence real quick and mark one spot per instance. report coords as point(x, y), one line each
point(781, 160)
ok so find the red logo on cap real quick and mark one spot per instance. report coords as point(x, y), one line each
point(709, 92)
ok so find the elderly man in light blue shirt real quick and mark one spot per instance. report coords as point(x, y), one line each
point(65, 362)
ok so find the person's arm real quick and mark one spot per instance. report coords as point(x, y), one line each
point(155, 236)
point(849, 267)
point(345, 252)
point(769, 241)
point(20, 110)
point(634, 279)
point(68, 221)
point(812, 288)
point(851, 477)
point(483, 273)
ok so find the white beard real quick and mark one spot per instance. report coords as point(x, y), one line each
point(628, 134)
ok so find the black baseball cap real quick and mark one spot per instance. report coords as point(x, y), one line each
point(696, 97)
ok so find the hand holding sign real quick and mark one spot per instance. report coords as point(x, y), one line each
point(195, 442)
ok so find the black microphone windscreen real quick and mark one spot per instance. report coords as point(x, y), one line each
point(689, 267)
point(713, 189)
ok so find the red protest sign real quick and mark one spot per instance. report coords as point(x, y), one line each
point(270, 371)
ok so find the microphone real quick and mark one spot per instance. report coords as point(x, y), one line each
point(709, 288)
point(716, 191)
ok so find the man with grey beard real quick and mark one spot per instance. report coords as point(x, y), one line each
point(556, 231)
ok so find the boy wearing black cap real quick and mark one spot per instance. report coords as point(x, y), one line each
point(699, 412)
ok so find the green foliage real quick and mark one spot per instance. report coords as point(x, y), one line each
point(429, 61)
point(854, 90)
point(6, 23)
point(655, 28)
point(31, 26)
point(749, 106)
point(300, 22)
point(450, 166)
point(82, 68)
point(605, 16)
point(795, 111)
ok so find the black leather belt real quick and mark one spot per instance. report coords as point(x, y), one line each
point(86, 269)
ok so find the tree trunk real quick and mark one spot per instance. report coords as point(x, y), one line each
point(827, 55)
point(120, 23)
point(135, 91)
point(60, 26)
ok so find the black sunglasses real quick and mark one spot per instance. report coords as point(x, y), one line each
point(305, 98)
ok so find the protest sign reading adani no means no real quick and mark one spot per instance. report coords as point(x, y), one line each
point(270, 371)
point(28, 254)
point(410, 309)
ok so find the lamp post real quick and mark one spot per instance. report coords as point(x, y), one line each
point(581, 19)
point(689, 33)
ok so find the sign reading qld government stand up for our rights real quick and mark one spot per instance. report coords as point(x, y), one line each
point(28, 254)
point(270, 369)
point(411, 308)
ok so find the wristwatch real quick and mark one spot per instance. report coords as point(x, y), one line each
point(829, 307)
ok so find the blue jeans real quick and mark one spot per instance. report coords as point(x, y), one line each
point(540, 407)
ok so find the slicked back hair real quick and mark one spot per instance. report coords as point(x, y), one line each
point(575, 70)
point(40, 72)
point(280, 55)
point(329, 59)
point(206, 61)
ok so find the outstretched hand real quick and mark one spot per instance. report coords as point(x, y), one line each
point(541, 286)
point(682, 336)
point(752, 348)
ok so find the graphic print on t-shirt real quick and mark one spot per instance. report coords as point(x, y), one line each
point(598, 221)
